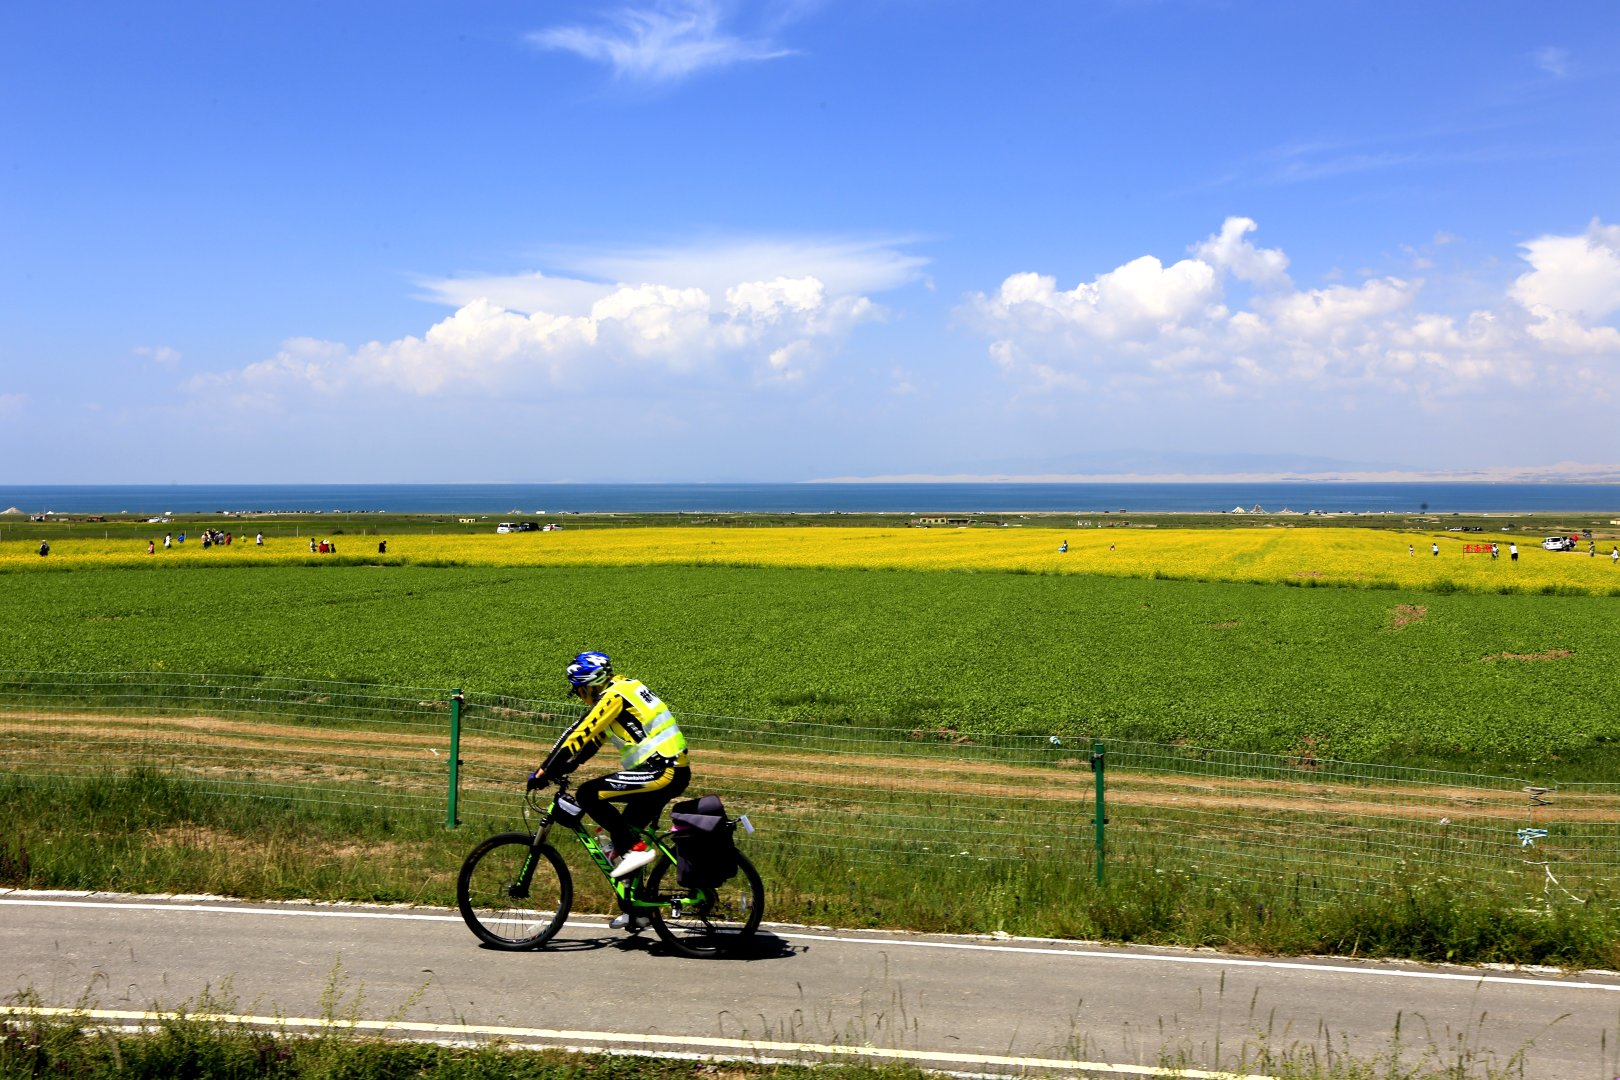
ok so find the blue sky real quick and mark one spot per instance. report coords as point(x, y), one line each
point(700, 240)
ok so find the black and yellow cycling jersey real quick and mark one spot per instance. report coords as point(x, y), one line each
point(637, 722)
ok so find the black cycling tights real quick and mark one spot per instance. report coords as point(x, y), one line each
point(643, 794)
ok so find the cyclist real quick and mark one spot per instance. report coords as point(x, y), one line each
point(652, 757)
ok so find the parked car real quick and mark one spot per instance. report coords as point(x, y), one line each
point(506, 527)
point(1558, 543)
point(528, 526)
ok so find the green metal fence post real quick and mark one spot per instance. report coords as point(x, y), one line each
point(1100, 820)
point(455, 756)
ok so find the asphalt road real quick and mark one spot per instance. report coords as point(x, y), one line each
point(975, 1005)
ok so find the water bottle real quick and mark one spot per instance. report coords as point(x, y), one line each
point(605, 842)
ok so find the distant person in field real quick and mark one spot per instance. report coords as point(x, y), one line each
point(1410, 550)
point(168, 540)
point(151, 547)
point(259, 539)
point(44, 548)
point(653, 765)
point(1513, 552)
point(1614, 555)
point(1436, 548)
point(1063, 548)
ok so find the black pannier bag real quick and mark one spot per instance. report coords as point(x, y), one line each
point(705, 854)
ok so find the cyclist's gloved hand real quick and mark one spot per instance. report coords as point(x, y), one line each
point(537, 779)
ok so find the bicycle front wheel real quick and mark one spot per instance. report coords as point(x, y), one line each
point(710, 922)
point(514, 895)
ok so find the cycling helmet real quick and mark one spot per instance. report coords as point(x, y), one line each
point(590, 669)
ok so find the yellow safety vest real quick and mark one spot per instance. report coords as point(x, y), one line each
point(644, 728)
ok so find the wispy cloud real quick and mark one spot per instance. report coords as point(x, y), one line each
point(162, 355)
point(574, 280)
point(1553, 60)
point(663, 42)
point(1308, 161)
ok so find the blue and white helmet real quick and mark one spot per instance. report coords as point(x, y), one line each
point(590, 669)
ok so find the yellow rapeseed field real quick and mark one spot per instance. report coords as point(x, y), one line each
point(1324, 556)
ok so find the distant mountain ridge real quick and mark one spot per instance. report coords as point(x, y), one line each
point(1563, 473)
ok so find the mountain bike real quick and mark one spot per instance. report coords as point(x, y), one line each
point(515, 891)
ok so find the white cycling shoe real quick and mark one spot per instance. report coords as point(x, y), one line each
point(633, 923)
point(634, 860)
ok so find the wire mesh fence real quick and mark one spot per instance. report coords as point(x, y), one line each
point(929, 802)
point(1323, 827)
point(312, 740)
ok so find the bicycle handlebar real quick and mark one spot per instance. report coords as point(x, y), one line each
point(537, 799)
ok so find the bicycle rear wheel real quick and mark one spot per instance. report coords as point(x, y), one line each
point(513, 895)
point(711, 922)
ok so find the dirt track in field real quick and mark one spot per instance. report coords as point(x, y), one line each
point(288, 752)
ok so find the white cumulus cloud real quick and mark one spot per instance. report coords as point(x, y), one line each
point(1138, 300)
point(1229, 318)
point(1573, 275)
point(1573, 284)
point(1230, 249)
point(773, 329)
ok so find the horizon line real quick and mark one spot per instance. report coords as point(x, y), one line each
point(1568, 473)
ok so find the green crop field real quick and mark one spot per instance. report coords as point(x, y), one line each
point(1517, 684)
point(1509, 683)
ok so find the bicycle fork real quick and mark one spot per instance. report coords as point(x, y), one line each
point(519, 889)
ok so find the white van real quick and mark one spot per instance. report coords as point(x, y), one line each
point(506, 526)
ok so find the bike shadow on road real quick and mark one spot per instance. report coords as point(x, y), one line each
point(762, 946)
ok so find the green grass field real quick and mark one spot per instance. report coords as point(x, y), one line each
point(196, 1042)
point(1517, 685)
point(1497, 683)
point(144, 830)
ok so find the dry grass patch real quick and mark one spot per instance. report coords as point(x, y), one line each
point(210, 838)
point(1543, 656)
point(204, 838)
point(1407, 614)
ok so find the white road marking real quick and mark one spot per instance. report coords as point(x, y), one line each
point(59, 900)
point(603, 1040)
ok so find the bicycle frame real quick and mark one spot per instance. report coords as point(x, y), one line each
point(627, 888)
